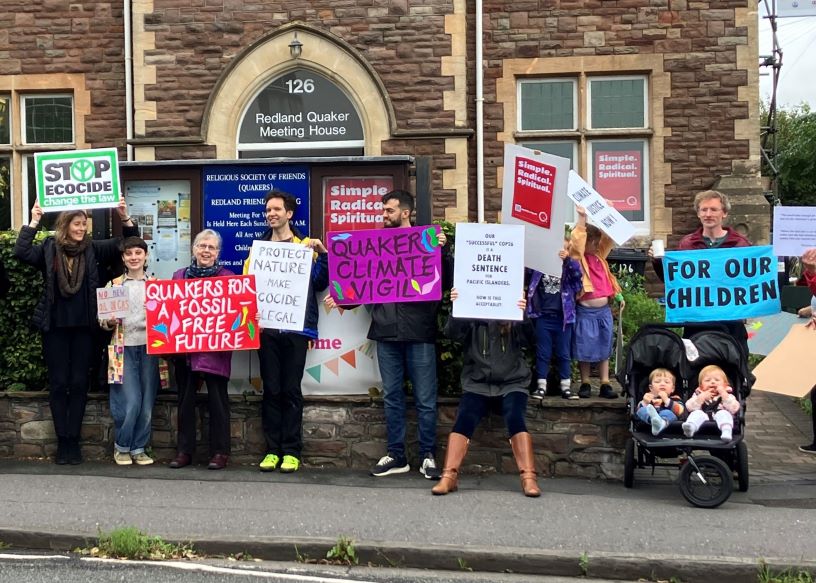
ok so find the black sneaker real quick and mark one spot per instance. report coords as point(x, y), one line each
point(429, 468)
point(584, 391)
point(539, 394)
point(389, 464)
point(568, 394)
point(607, 392)
point(808, 448)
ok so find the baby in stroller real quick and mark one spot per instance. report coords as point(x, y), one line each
point(713, 399)
point(660, 406)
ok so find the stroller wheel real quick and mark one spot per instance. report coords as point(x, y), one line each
point(629, 464)
point(741, 454)
point(706, 481)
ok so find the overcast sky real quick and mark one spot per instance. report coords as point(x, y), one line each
point(797, 39)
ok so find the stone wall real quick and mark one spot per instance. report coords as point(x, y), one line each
point(572, 438)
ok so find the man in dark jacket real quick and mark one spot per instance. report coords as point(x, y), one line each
point(406, 343)
point(282, 354)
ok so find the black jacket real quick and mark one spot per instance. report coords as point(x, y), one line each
point(5, 283)
point(492, 364)
point(42, 257)
point(410, 321)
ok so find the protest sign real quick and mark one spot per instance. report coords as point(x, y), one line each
point(603, 216)
point(385, 265)
point(111, 302)
point(534, 194)
point(489, 271)
point(775, 374)
point(720, 284)
point(205, 314)
point(282, 272)
point(78, 179)
point(794, 230)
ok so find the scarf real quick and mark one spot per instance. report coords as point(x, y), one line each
point(70, 265)
point(195, 271)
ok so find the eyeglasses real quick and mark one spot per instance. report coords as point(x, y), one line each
point(205, 247)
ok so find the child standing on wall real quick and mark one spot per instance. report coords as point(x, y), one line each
point(592, 337)
point(551, 308)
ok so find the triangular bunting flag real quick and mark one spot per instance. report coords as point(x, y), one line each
point(333, 365)
point(350, 358)
point(315, 372)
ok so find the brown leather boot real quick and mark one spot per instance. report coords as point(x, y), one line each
point(522, 444)
point(457, 448)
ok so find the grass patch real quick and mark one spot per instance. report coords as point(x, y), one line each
point(343, 552)
point(131, 543)
point(805, 404)
point(765, 575)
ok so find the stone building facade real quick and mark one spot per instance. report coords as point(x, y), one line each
point(672, 83)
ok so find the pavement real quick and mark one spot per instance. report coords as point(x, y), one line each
point(576, 527)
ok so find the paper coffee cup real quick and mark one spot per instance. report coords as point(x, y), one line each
point(658, 249)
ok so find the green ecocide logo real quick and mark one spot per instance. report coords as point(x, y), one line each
point(82, 170)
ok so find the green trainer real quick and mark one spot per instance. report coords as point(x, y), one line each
point(290, 464)
point(269, 463)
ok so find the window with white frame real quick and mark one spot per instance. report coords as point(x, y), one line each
point(30, 123)
point(602, 125)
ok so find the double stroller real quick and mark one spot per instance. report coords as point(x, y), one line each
point(705, 480)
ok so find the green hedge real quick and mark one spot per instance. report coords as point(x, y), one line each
point(21, 359)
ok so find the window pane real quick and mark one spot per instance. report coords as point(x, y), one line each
point(563, 149)
point(547, 105)
point(618, 103)
point(5, 120)
point(30, 194)
point(49, 120)
point(619, 174)
point(5, 194)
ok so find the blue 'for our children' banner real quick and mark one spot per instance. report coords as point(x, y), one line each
point(721, 284)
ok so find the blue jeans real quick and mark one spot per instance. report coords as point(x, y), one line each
point(552, 337)
point(419, 360)
point(666, 414)
point(131, 403)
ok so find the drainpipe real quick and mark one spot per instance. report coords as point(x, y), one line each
point(128, 77)
point(479, 116)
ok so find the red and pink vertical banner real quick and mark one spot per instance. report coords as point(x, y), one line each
point(354, 203)
point(619, 177)
point(205, 314)
point(385, 265)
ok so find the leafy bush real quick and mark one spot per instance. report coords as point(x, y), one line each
point(640, 308)
point(21, 359)
point(449, 353)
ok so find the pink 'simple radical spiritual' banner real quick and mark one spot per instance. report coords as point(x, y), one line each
point(385, 265)
point(205, 314)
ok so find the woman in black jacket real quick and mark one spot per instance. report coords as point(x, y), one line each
point(66, 312)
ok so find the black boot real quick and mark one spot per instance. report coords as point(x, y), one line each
point(62, 452)
point(74, 452)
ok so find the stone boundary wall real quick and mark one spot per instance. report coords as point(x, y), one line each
point(572, 438)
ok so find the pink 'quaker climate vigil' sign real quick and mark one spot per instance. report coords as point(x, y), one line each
point(385, 265)
point(205, 314)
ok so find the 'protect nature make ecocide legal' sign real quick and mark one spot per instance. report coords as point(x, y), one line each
point(205, 314)
point(78, 179)
point(385, 265)
point(282, 272)
point(721, 284)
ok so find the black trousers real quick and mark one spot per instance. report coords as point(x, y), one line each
point(283, 358)
point(813, 412)
point(217, 404)
point(68, 353)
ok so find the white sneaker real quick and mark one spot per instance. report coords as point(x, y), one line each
point(142, 459)
point(688, 429)
point(658, 425)
point(727, 434)
point(122, 458)
point(429, 469)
